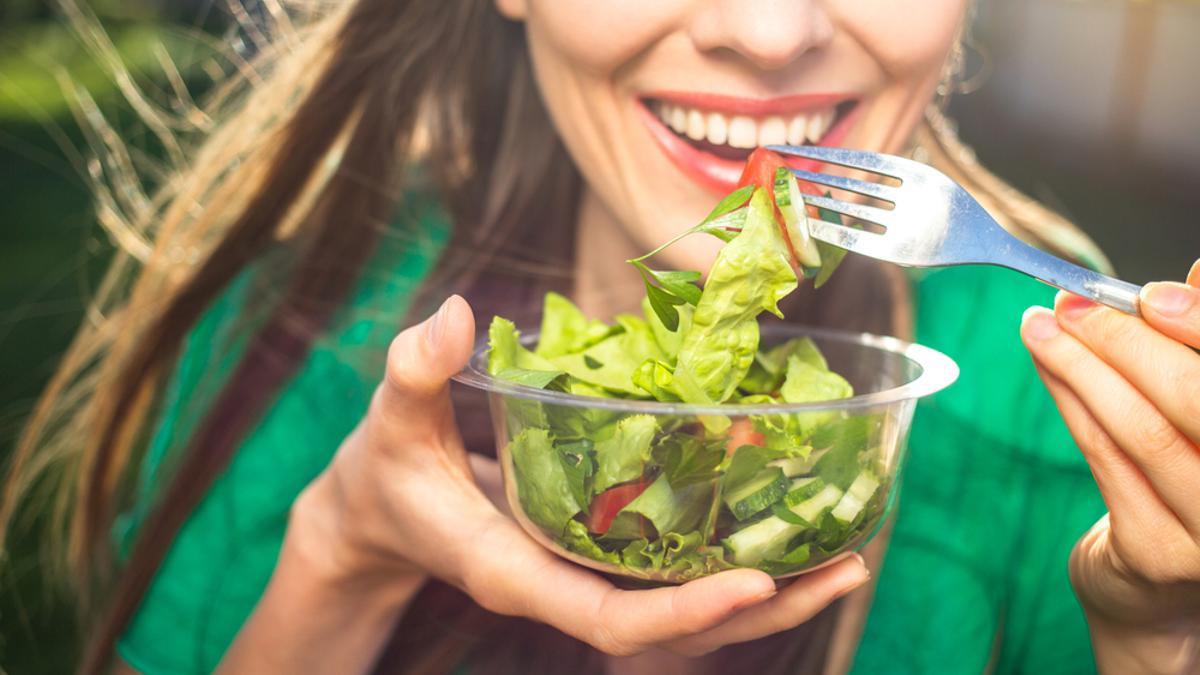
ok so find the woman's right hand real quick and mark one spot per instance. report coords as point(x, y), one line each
point(399, 503)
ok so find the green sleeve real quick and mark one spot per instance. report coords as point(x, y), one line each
point(223, 556)
point(995, 494)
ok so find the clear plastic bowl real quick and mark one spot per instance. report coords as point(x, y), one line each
point(857, 451)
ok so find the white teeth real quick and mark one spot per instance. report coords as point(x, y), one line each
point(818, 125)
point(743, 132)
point(718, 129)
point(678, 119)
point(695, 125)
point(797, 129)
point(773, 131)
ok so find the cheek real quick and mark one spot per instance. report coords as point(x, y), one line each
point(598, 37)
point(908, 38)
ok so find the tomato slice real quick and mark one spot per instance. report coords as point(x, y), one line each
point(760, 172)
point(760, 168)
point(742, 432)
point(606, 505)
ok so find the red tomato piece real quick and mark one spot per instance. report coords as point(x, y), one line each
point(607, 504)
point(741, 433)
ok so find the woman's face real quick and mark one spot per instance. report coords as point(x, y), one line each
point(660, 101)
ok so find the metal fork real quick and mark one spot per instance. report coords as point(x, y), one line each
point(936, 223)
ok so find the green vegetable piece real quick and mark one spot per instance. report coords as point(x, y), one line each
point(565, 329)
point(806, 383)
point(811, 509)
point(831, 256)
point(542, 484)
point(577, 464)
point(668, 339)
point(730, 203)
point(750, 275)
point(540, 379)
point(655, 378)
point(789, 562)
point(624, 454)
point(844, 442)
point(857, 495)
point(753, 496)
point(766, 538)
point(799, 465)
point(803, 489)
point(506, 351)
point(578, 540)
point(677, 545)
point(687, 459)
point(612, 362)
point(666, 508)
point(643, 554)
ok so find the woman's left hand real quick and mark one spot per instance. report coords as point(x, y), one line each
point(1129, 390)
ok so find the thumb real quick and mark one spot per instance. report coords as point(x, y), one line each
point(423, 357)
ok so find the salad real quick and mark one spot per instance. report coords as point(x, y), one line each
point(673, 497)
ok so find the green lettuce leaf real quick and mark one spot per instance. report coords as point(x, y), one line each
point(770, 366)
point(623, 454)
point(806, 383)
point(610, 363)
point(565, 329)
point(688, 459)
point(579, 540)
point(751, 273)
point(666, 508)
point(542, 485)
point(578, 465)
point(643, 554)
point(843, 442)
point(506, 351)
point(668, 340)
point(655, 378)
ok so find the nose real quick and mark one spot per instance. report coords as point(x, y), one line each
point(768, 33)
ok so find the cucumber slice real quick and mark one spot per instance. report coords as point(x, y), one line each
point(756, 494)
point(803, 489)
point(791, 205)
point(798, 466)
point(857, 495)
point(812, 508)
point(768, 538)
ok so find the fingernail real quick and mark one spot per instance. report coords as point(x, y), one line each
point(1071, 306)
point(435, 328)
point(1039, 324)
point(1193, 277)
point(1169, 298)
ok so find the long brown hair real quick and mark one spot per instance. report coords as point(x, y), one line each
point(316, 142)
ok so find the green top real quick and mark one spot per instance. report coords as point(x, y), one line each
point(995, 492)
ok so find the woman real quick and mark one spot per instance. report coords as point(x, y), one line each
point(405, 151)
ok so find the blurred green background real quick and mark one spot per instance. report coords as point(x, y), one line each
point(1089, 106)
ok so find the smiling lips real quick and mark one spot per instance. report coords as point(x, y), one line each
point(709, 136)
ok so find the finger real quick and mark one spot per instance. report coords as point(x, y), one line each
point(423, 357)
point(1174, 309)
point(1193, 278)
point(1165, 371)
point(586, 606)
point(1168, 459)
point(794, 605)
point(1126, 491)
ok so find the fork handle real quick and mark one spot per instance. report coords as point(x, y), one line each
point(1081, 281)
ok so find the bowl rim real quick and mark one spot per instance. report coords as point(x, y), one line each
point(938, 371)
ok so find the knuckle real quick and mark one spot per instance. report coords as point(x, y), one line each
point(607, 640)
point(1160, 441)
